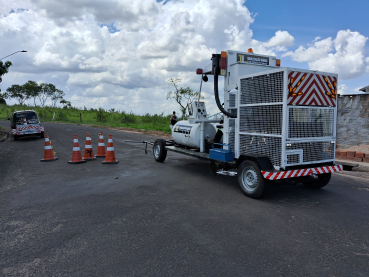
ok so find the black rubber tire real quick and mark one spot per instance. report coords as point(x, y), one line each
point(159, 151)
point(213, 168)
point(250, 179)
point(15, 137)
point(42, 135)
point(322, 181)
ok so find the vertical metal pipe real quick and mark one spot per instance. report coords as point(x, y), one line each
point(202, 137)
point(198, 100)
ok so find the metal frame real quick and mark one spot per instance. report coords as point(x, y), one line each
point(285, 118)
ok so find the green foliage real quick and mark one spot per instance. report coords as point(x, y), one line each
point(56, 96)
point(45, 113)
point(114, 118)
point(183, 96)
point(61, 116)
point(18, 92)
point(4, 68)
point(128, 118)
point(66, 104)
point(2, 99)
point(101, 115)
point(33, 90)
point(46, 91)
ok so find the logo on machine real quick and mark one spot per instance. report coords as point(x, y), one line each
point(252, 59)
point(182, 129)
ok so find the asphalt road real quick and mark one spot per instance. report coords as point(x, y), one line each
point(168, 219)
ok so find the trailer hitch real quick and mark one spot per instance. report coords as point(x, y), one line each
point(167, 143)
point(147, 142)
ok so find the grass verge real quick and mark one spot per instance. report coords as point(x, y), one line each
point(95, 117)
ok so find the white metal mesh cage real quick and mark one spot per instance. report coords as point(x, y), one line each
point(262, 145)
point(261, 119)
point(310, 122)
point(231, 135)
point(232, 100)
point(309, 132)
point(314, 151)
point(293, 159)
point(266, 88)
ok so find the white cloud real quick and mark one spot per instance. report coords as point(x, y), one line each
point(319, 50)
point(344, 55)
point(342, 89)
point(281, 38)
point(118, 53)
point(124, 14)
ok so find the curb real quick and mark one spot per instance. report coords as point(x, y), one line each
point(362, 167)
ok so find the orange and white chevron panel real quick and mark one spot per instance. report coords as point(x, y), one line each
point(310, 89)
point(300, 172)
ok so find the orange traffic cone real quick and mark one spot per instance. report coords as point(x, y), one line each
point(110, 156)
point(101, 147)
point(49, 155)
point(89, 154)
point(25, 121)
point(76, 154)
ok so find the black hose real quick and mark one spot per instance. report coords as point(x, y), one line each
point(216, 95)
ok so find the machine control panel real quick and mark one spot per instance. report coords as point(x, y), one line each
point(198, 111)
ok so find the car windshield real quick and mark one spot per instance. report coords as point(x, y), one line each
point(30, 116)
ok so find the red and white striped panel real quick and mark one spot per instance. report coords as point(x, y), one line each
point(327, 169)
point(20, 129)
point(14, 131)
point(300, 172)
point(313, 88)
point(42, 128)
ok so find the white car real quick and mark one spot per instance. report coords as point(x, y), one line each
point(26, 123)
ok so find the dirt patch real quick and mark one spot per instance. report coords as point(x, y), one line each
point(4, 133)
point(143, 131)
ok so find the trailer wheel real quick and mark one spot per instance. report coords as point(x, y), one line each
point(159, 151)
point(42, 134)
point(251, 182)
point(15, 137)
point(323, 180)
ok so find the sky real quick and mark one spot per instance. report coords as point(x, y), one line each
point(118, 54)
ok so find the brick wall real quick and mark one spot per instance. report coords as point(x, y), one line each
point(353, 121)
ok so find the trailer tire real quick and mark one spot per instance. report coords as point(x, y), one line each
point(15, 137)
point(42, 134)
point(213, 168)
point(159, 151)
point(323, 180)
point(250, 179)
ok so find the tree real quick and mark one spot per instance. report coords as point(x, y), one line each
point(2, 98)
point(18, 92)
point(66, 103)
point(183, 96)
point(46, 91)
point(32, 89)
point(4, 69)
point(56, 96)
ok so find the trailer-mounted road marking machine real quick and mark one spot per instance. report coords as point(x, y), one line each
point(278, 124)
